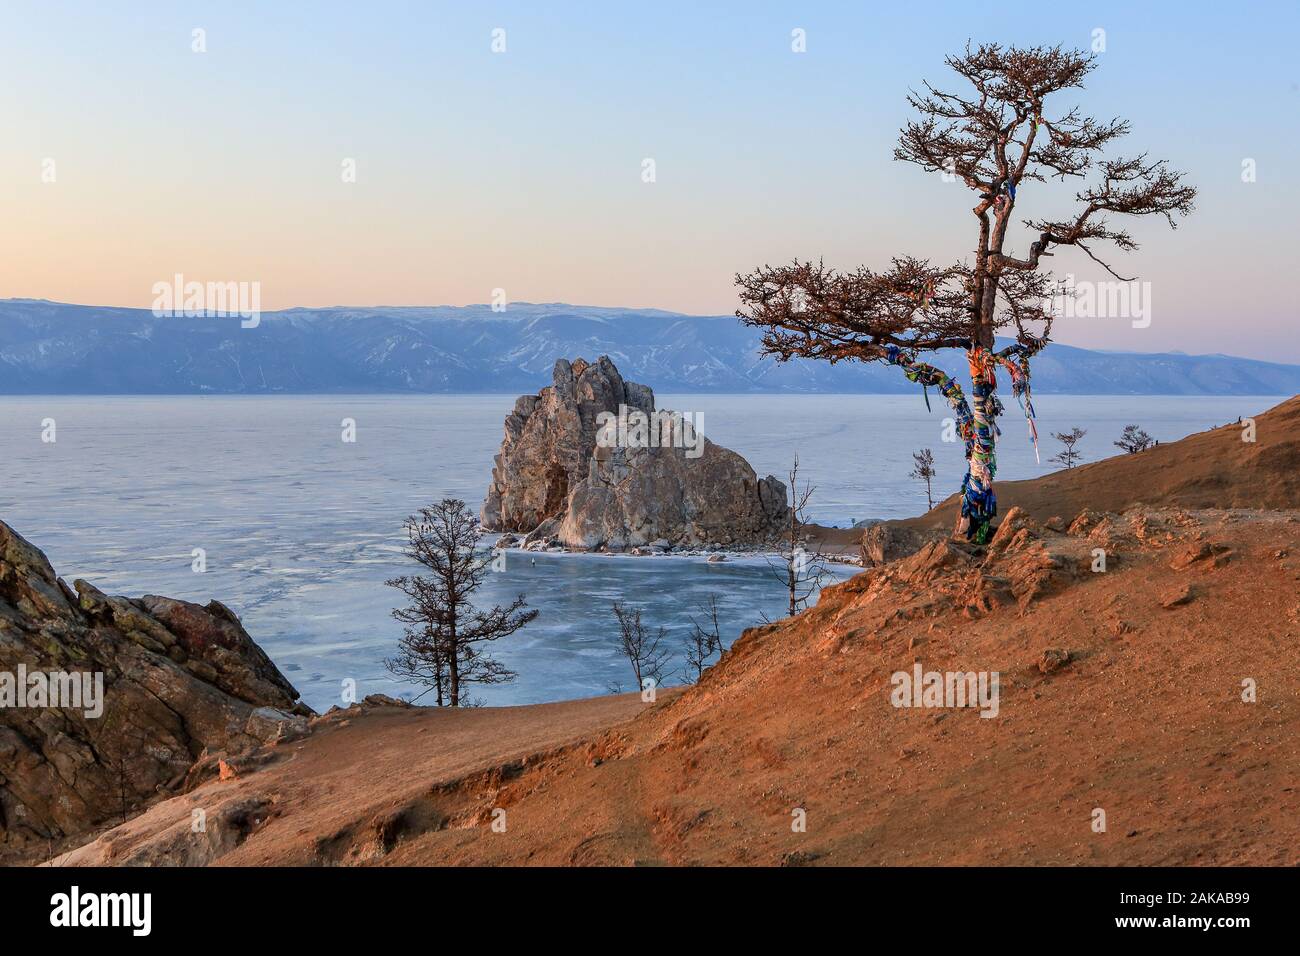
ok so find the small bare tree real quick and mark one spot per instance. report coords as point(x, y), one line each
point(923, 470)
point(1070, 456)
point(644, 649)
point(800, 565)
point(1134, 440)
point(704, 640)
point(443, 645)
point(118, 744)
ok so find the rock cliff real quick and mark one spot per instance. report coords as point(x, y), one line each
point(177, 680)
point(572, 470)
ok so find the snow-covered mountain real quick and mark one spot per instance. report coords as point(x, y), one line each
point(53, 348)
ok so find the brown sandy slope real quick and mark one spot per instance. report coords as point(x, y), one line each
point(1214, 469)
point(362, 763)
point(1145, 720)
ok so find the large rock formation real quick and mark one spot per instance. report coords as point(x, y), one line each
point(177, 678)
point(555, 477)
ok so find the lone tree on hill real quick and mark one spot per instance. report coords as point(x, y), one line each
point(997, 137)
point(1069, 456)
point(923, 470)
point(1134, 440)
point(443, 646)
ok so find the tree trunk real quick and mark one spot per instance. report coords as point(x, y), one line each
point(979, 504)
point(791, 569)
point(977, 421)
point(453, 661)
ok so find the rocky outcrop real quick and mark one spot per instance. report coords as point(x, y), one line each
point(179, 682)
point(883, 542)
point(559, 478)
point(549, 441)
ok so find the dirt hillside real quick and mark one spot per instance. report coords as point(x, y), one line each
point(1214, 469)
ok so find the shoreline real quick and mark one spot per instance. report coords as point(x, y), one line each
point(850, 557)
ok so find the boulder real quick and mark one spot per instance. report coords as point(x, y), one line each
point(882, 543)
point(1178, 596)
point(179, 681)
point(1052, 660)
point(558, 480)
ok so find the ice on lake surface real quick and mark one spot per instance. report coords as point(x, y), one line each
point(301, 529)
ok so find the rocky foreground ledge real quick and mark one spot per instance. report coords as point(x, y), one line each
point(560, 483)
point(182, 685)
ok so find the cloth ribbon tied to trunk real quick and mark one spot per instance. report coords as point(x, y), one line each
point(977, 420)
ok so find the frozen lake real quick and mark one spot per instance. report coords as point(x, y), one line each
point(301, 529)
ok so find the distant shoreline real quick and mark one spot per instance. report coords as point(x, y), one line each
point(51, 348)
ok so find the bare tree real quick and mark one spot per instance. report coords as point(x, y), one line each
point(443, 645)
point(800, 564)
point(704, 640)
point(997, 136)
point(422, 658)
point(923, 470)
point(1134, 440)
point(1069, 457)
point(118, 744)
point(643, 648)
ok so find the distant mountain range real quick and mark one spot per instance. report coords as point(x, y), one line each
point(53, 348)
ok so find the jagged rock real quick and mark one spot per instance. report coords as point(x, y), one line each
point(556, 483)
point(549, 440)
point(800, 858)
point(275, 726)
point(1015, 531)
point(341, 716)
point(383, 700)
point(178, 680)
point(1184, 594)
point(1053, 659)
point(1197, 551)
point(227, 824)
point(882, 543)
point(1119, 627)
point(1085, 522)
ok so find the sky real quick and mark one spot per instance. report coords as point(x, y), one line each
point(128, 156)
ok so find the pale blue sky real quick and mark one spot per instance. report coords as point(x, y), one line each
point(522, 170)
